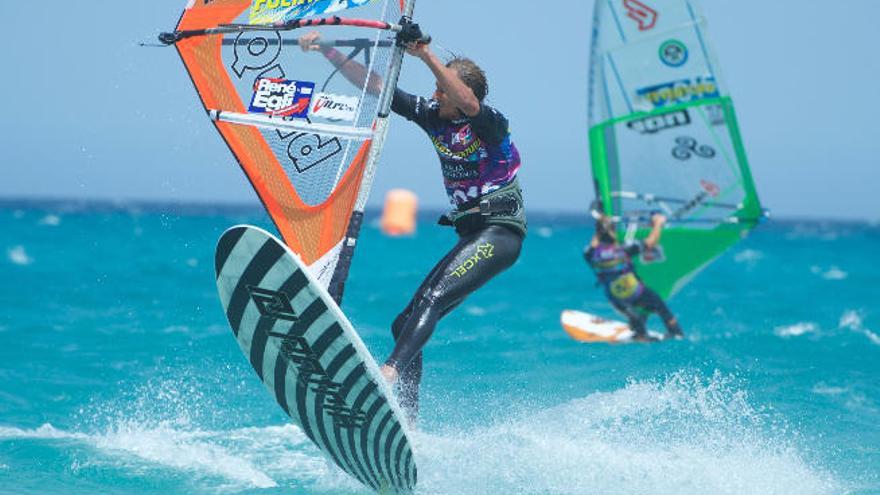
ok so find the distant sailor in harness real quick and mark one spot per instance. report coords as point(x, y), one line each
point(612, 263)
point(479, 164)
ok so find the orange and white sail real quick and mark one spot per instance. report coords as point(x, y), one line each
point(306, 138)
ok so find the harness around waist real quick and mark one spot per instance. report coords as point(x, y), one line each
point(504, 206)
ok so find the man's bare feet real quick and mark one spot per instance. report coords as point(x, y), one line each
point(390, 374)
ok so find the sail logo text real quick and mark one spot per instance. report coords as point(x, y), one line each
point(641, 13)
point(681, 91)
point(270, 11)
point(662, 122)
point(260, 5)
point(282, 98)
point(334, 107)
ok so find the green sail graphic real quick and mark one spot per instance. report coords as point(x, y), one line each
point(664, 138)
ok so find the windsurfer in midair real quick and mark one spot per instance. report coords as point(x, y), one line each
point(479, 164)
point(612, 263)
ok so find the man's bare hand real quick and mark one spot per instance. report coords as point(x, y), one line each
point(308, 40)
point(420, 50)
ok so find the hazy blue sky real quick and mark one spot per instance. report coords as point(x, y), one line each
point(91, 115)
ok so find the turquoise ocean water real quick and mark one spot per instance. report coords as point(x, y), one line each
point(118, 373)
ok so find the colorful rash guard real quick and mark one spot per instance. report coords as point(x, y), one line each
point(476, 153)
point(614, 269)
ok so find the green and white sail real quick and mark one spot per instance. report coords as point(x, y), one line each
point(664, 137)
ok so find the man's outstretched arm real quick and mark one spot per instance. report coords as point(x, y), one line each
point(657, 222)
point(460, 95)
point(355, 72)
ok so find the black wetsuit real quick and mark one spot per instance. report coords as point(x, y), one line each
point(475, 259)
point(627, 293)
point(477, 157)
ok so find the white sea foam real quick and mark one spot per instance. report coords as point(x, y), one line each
point(796, 330)
point(242, 459)
point(44, 432)
point(680, 436)
point(824, 389)
point(749, 256)
point(545, 232)
point(873, 337)
point(835, 273)
point(19, 256)
point(192, 451)
point(159, 425)
point(831, 273)
point(475, 310)
point(176, 329)
point(850, 397)
point(51, 220)
point(683, 435)
point(852, 320)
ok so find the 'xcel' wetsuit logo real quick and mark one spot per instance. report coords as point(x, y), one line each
point(484, 252)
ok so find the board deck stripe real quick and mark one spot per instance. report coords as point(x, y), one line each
point(258, 267)
point(384, 465)
point(393, 437)
point(362, 442)
point(319, 348)
point(334, 369)
point(258, 344)
point(225, 247)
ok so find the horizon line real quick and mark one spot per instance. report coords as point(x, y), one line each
point(213, 206)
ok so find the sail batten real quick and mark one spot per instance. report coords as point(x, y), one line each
point(288, 125)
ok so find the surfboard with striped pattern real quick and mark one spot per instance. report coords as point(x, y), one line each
point(311, 360)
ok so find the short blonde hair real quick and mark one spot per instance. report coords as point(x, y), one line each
point(471, 75)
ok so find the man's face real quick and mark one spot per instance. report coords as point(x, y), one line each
point(607, 228)
point(446, 110)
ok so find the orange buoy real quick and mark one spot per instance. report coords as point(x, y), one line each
point(399, 215)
